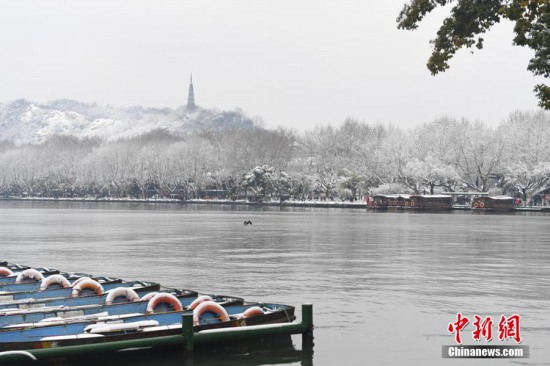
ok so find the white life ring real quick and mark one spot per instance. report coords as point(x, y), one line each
point(5, 272)
point(148, 296)
point(253, 311)
point(29, 273)
point(56, 278)
point(127, 292)
point(199, 300)
point(163, 298)
point(212, 307)
point(87, 284)
point(78, 280)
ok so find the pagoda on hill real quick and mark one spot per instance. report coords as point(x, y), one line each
point(191, 107)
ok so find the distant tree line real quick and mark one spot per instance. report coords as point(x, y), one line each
point(328, 163)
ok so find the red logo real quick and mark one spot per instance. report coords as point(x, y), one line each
point(483, 328)
point(457, 327)
point(509, 328)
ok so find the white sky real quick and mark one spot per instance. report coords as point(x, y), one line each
point(294, 63)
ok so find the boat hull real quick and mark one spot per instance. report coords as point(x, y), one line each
point(37, 315)
point(30, 286)
point(73, 301)
point(64, 292)
point(168, 324)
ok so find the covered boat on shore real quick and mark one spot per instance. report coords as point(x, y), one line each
point(388, 201)
point(431, 202)
point(496, 203)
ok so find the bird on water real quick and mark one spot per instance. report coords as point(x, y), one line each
point(247, 222)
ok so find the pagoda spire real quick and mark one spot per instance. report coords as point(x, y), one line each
point(191, 97)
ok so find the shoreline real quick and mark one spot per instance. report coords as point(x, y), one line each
point(314, 204)
point(306, 204)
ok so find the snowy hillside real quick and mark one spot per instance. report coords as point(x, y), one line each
point(23, 121)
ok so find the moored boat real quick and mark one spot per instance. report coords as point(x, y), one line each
point(56, 280)
point(25, 318)
point(141, 288)
point(77, 319)
point(133, 326)
point(92, 288)
point(9, 273)
point(493, 203)
point(431, 202)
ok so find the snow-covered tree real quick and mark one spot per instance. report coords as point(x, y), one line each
point(527, 178)
point(259, 180)
point(428, 173)
point(476, 154)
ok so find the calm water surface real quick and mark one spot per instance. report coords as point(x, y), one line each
point(384, 285)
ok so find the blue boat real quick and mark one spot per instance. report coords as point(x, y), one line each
point(141, 288)
point(65, 292)
point(86, 316)
point(28, 286)
point(132, 326)
point(11, 278)
point(62, 312)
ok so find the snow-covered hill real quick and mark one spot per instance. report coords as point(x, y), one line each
point(23, 121)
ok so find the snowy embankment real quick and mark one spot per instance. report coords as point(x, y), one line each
point(289, 203)
point(336, 204)
point(93, 199)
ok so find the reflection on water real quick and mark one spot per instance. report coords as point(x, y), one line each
point(278, 351)
point(384, 285)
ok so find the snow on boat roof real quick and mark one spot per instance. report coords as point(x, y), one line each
point(433, 195)
point(501, 198)
point(393, 195)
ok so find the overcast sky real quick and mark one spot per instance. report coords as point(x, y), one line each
point(293, 63)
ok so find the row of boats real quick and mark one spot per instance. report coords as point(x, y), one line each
point(440, 202)
point(42, 308)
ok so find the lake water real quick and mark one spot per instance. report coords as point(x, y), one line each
point(384, 286)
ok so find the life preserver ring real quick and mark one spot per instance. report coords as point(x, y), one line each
point(476, 204)
point(5, 272)
point(211, 306)
point(87, 284)
point(78, 280)
point(199, 300)
point(56, 278)
point(148, 296)
point(163, 298)
point(29, 273)
point(481, 204)
point(126, 292)
point(253, 311)
point(412, 204)
point(407, 203)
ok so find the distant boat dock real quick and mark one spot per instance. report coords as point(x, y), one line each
point(305, 204)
